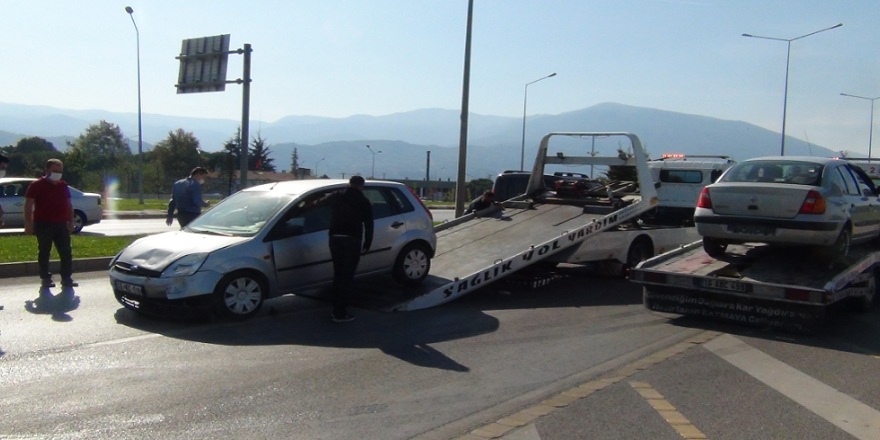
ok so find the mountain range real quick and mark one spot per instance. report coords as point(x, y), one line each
point(399, 142)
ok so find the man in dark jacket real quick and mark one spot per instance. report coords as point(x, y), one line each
point(351, 233)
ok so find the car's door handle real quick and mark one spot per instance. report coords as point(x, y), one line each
point(396, 225)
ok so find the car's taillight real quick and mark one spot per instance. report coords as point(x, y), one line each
point(814, 203)
point(411, 191)
point(704, 201)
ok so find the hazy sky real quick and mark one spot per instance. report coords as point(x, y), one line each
point(344, 57)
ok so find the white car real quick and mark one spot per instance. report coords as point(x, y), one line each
point(87, 208)
point(268, 241)
point(789, 200)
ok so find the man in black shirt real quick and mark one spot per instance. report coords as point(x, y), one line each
point(351, 233)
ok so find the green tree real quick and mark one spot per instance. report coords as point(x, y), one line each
point(258, 155)
point(175, 156)
point(477, 187)
point(294, 162)
point(29, 155)
point(98, 154)
point(622, 172)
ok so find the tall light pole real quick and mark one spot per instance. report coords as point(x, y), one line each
point(871, 129)
point(787, 59)
point(522, 153)
point(373, 170)
point(140, 126)
point(317, 176)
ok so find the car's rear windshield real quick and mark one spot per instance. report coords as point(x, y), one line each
point(775, 171)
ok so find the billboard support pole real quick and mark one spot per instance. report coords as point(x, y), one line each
point(245, 116)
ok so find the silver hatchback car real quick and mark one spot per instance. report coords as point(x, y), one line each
point(268, 241)
point(789, 201)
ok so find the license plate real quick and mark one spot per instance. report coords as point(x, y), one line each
point(129, 288)
point(752, 229)
point(721, 284)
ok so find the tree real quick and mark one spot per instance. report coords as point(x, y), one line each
point(622, 172)
point(176, 156)
point(294, 163)
point(477, 187)
point(97, 154)
point(29, 155)
point(258, 156)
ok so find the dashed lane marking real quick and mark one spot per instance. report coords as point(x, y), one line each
point(666, 410)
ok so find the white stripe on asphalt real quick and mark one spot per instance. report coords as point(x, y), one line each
point(843, 411)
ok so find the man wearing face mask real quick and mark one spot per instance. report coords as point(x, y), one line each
point(186, 198)
point(48, 214)
point(4, 162)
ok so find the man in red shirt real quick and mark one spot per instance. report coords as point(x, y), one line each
point(48, 214)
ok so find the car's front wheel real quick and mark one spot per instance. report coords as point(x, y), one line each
point(412, 264)
point(239, 295)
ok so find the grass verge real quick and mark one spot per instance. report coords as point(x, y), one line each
point(18, 248)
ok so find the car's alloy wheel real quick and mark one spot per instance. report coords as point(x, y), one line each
point(412, 265)
point(239, 295)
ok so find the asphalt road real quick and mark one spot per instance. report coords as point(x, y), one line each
point(582, 352)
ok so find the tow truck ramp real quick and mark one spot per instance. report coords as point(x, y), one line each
point(757, 284)
point(480, 248)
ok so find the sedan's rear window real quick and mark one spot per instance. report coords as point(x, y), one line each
point(776, 171)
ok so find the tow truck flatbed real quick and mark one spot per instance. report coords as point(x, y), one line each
point(757, 284)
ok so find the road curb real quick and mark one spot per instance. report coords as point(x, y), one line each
point(31, 268)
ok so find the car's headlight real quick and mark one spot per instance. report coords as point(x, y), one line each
point(185, 266)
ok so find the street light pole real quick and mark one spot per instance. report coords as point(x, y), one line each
point(373, 170)
point(140, 125)
point(871, 129)
point(522, 151)
point(317, 176)
point(787, 59)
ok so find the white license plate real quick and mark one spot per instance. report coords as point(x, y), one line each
point(129, 288)
point(752, 229)
point(720, 284)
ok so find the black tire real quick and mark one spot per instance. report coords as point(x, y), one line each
point(239, 295)
point(640, 250)
point(412, 264)
point(714, 247)
point(840, 248)
point(79, 221)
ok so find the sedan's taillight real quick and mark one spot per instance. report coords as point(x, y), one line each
point(814, 203)
point(704, 201)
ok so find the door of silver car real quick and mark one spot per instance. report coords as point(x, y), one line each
point(300, 245)
point(858, 204)
point(869, 204)
point(389, 223)
point(12, 202)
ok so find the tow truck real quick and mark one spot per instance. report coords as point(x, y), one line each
point(757, 284)
point(480, 248)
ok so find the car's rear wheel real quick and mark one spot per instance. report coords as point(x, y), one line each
point(714, 247)
point(79, 220)
point(412, 264)
point(640, 250)
point(840, 248)
point(239, 295)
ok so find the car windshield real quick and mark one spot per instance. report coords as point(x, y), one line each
point(244, 213)
point(775, 171)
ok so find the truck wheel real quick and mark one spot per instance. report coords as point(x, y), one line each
point(412, 265)
point(239, 295)
point(714, 247)
point(640, 250)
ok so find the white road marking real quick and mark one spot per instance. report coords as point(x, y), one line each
point(848, 414)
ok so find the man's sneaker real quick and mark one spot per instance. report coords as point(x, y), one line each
point(69, 283)
point(46, 282)
point(345, 317)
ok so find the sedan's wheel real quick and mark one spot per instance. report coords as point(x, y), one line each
point(239, 295)
point(79, 220)
point(412, 265)
point(715, 248)
point(840, 248)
